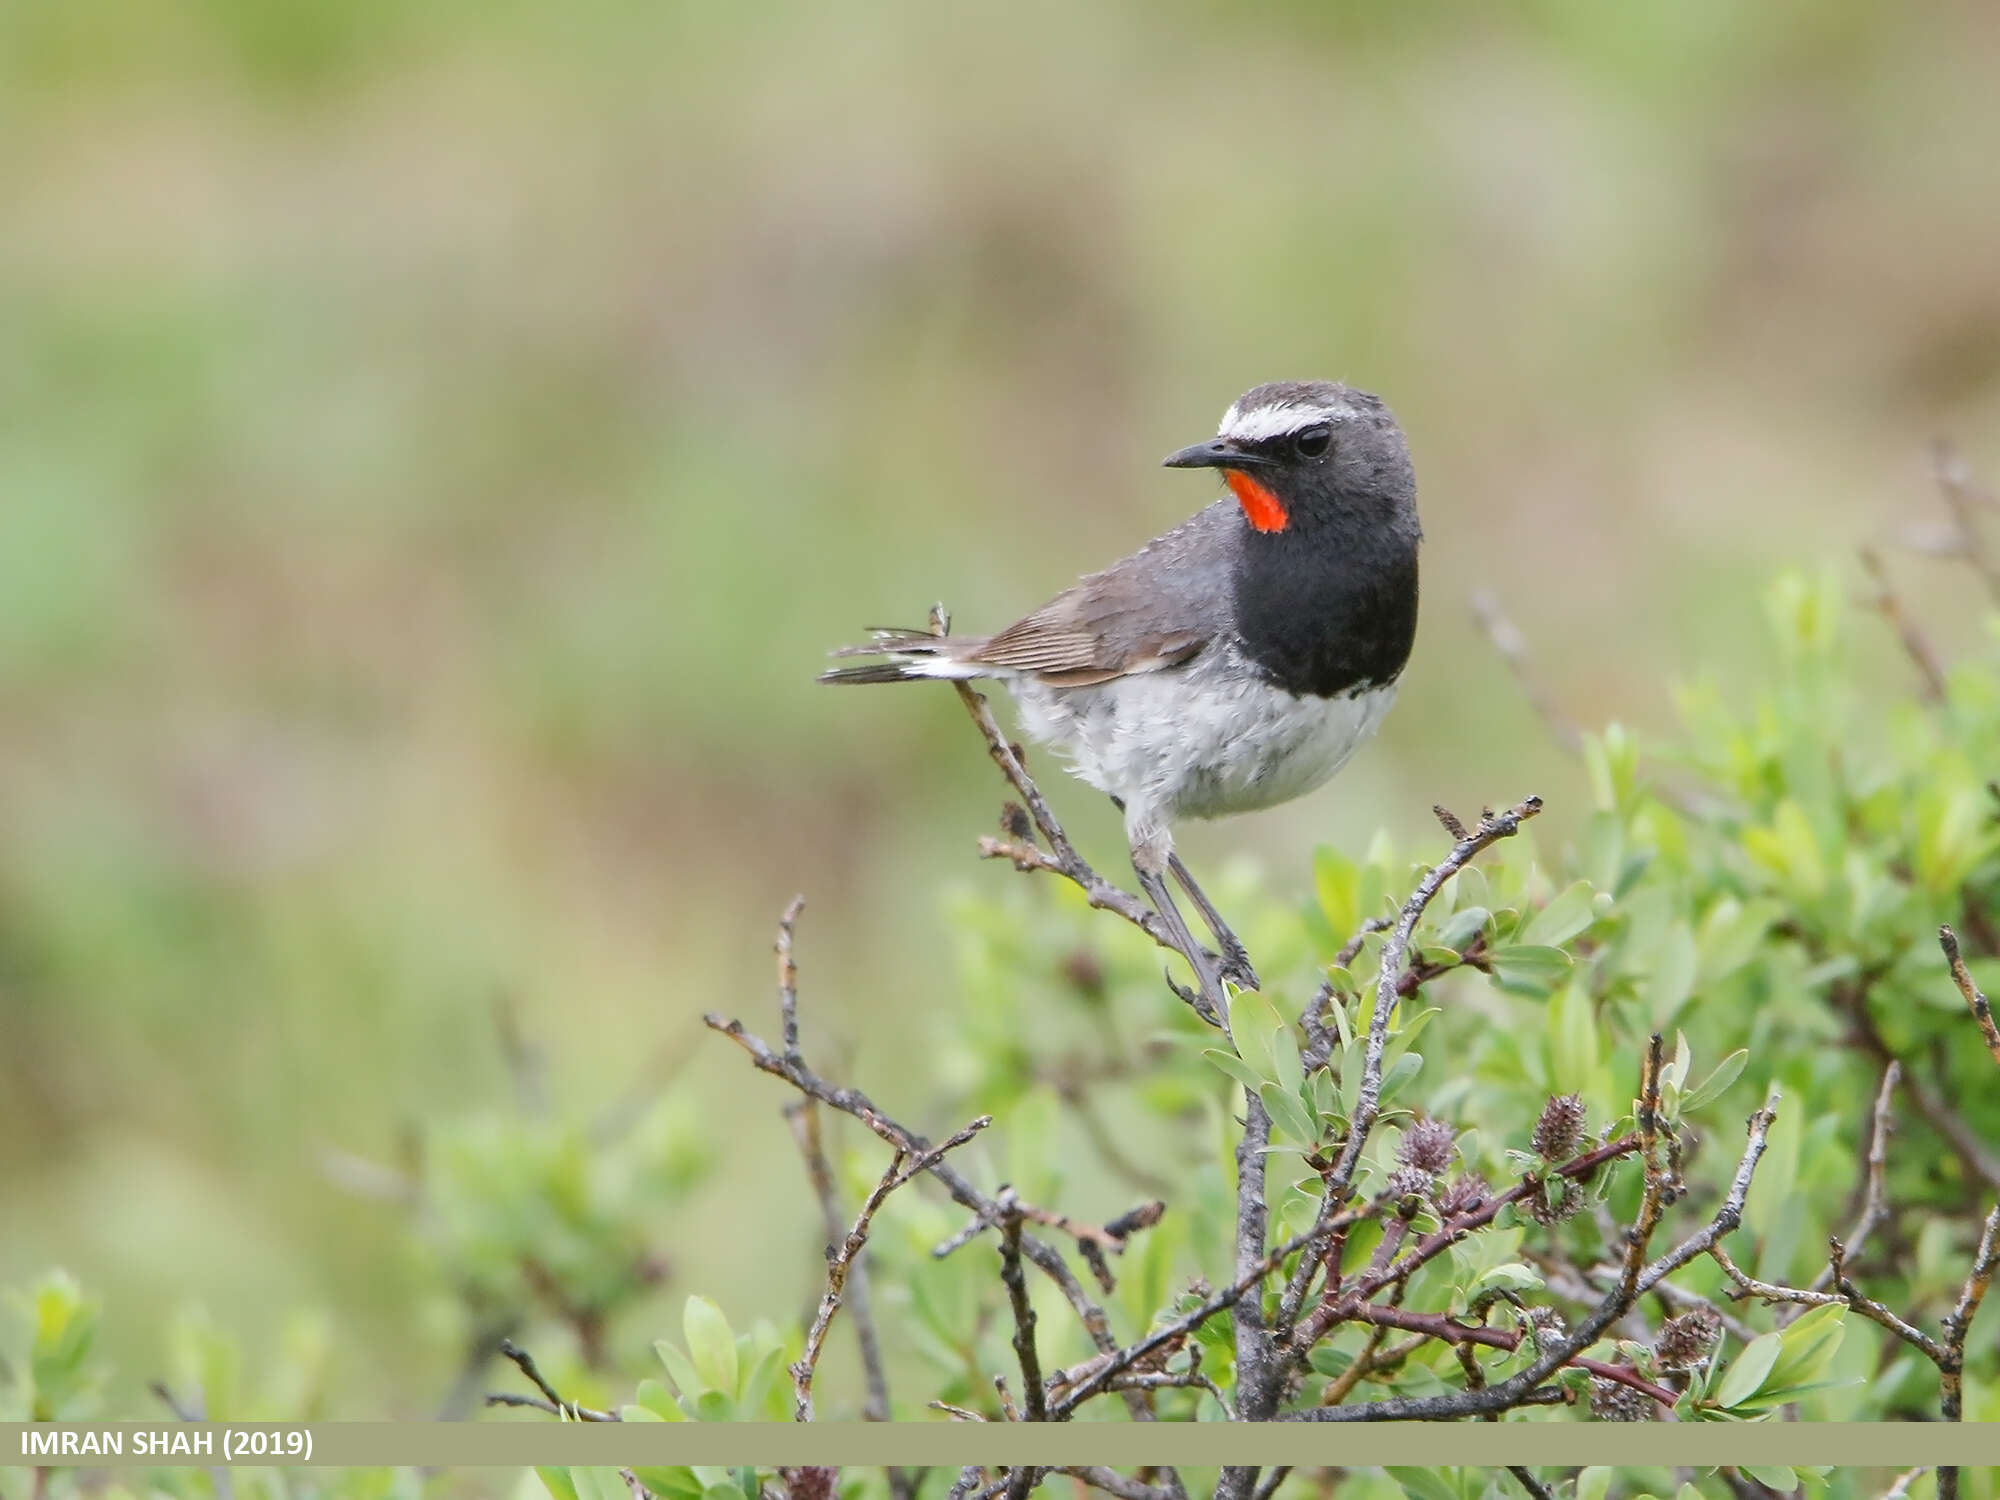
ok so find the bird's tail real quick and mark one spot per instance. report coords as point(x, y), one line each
point(914, 656)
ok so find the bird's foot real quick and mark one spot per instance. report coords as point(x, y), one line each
point(1234, 964)
point(1196, 1001)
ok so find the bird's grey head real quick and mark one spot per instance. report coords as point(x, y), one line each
point(1306, 450)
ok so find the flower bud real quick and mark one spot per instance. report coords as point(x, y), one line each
point(1614, 1401)
point(1429, 1146)
point(1559, 1133)
point(1685, 1342)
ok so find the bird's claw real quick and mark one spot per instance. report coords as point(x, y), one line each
point(1234, 966)
point(1193, 999)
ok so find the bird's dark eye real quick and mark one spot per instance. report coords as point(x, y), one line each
point(1313, 441)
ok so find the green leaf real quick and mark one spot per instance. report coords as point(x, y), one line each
point(1773, 1476)
point(1401, 1072)
point(657, 1399)
point(1593, 1482)
point(557, 1481)
point(1566, 915)
point(1530, 969)
point(757, 1386)
point(676, 1483)
point(1288, 1114)
point(1425, 1484)
point(1329, 1361)
point(1337, 881)
point(1673, 972)
point(1253, 1023)
point(1235, 1067)
point(1807, 1347)
point(687, 1380)
point(1509, 1276)
point(1290, 1076)
point(711, 1345)
point(1748, 1370)
point(1463, 926)
point(1726, 1072)
point(1572, 1033)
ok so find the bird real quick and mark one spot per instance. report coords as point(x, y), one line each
point(1235, 662)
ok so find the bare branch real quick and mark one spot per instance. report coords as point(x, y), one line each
point(1975, 998)
point(1875, 1196)
point(1915, 641)
point(803, 1116)
point(1061, 857)
point(788, 978)
point(552, 1401)
point(1526, 1479)
point(1959, 1321)
point(1513, 649)
point(1032, 1389)
point(1963, 495)
point(853, 1102)
point(1112, 1482)
point(901, 1169)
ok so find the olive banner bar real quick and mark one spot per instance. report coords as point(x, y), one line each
point(1116, 1445)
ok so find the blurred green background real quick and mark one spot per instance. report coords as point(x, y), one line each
point(438, 440)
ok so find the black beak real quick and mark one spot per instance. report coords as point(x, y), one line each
point(1216, 453)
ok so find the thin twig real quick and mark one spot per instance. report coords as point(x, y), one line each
point(901, 1169)
point(1915, 641)
point(788, 978)
point(803, 1116)
point(1061, 858)
point(1526, 1479)
point(553, 1401)
point(1446, 1329)
point(1963, 495)
point(1112, 1482)
point(218, 1475)
point(853, 1102)
point(1032, 1389)
point(1958, 1322)
point(1975, 998)
point(1513, 649)
point(1875, 1196)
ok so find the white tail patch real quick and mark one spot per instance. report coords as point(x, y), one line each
point(942, 667)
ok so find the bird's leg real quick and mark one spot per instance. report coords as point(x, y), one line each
point(1235, 957)
point(1209, 999)
point(1152, 856)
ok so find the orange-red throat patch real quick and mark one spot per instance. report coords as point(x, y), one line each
point(1263, 509)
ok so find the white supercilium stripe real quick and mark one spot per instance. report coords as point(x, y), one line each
point(1268, 421)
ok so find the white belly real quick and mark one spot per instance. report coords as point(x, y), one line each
point(1208, 740)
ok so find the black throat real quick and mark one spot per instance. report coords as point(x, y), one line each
point(1329, 607)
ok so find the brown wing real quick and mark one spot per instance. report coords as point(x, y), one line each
point(1152, 610)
